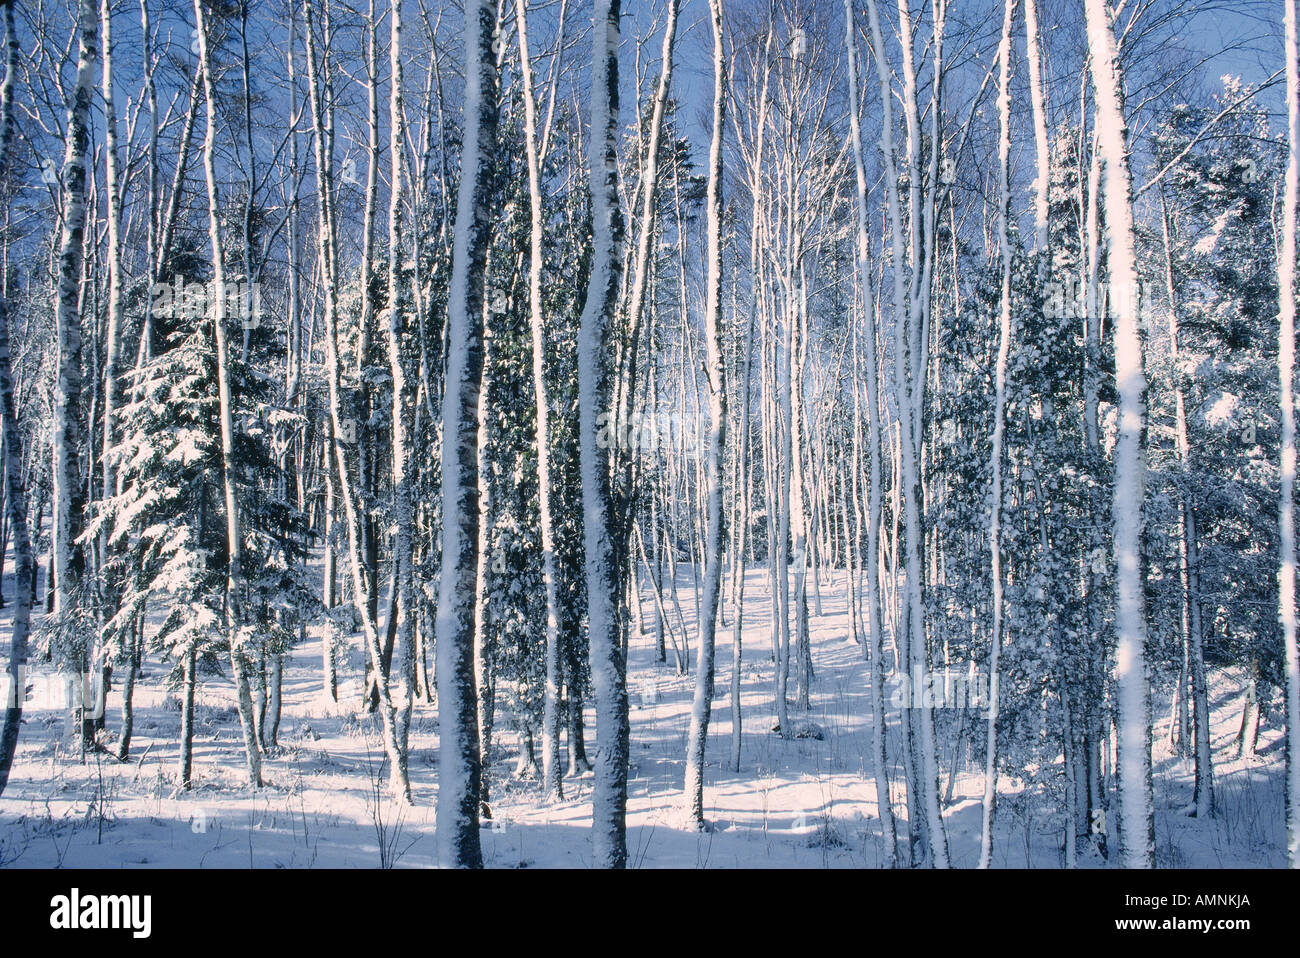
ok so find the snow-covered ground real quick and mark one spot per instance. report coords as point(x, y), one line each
point(795, 803)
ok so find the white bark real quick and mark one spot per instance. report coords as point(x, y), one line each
point(68, 495)
point(113, 204)
point(459, 770)
point(1192, 678)
point(647, 191)
point(69, 492)
point(999, 425)
point(1038, 104)
point(608, 669)
point(1130, 379)
point(15, 495)
point(874, 626)
point(909, 309)
point(716, 385)
point(1286, 371)
point(551, 783)
point(404, 558)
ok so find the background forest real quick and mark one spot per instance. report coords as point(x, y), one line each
point(798, 432)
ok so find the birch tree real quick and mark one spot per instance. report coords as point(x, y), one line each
point(648, 192)
point(608, 668)
point(868, 336)
point(999, 423)
point(69, 490)
point(911, 284)
point(715, 447)
point(551, 783)
point(404, 557)
point(15, 493)
point(113, 326)
point(1286, 372)
point(459, 770)
point(1038, 109)
point(1136, 823)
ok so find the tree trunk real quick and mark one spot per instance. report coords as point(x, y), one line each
point(403, 541)
point(69, 491)
point(608, 668)
point(910, 308)
point(1136, 821)
point(1286, 372)
point(188, 682)
point(110, 591)
point(15, 495)
point(880, 763)
point(703, 701)
point(999, 426)
point(459, 769)
point(552, 788)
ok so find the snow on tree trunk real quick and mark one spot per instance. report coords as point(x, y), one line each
point(1136, 823)
point(608, 668)
point(404, 556)
point(459, 770)
point(1038, 104)
point(909, 306)
point(112, 336)
point(785, 442)
point(648, 191)
point(69, 492)
point(794, 384)
point(874, 625)
point(716, 385)
point(112, 331)
point(484, 639)
point(999, 427)
point(131, 639)
point(1093, 704)
point(1286, 372)
point(15, 495)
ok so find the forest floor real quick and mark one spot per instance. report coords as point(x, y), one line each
point(795, 802)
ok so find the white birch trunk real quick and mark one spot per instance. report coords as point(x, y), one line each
point(874, 626)
point(999, 424)
point(459, 769)
point(647, 191)
point(1286, 372)
point(114, 238)
point(552, 787)
point(1134, 721)
point(716, 385)
point(907, 339)
point(1192, 681)
point(404, 559)
point(113, 329)
point(69, 492)
point(608, 669)
point(15, 495)
point(1038, 104)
